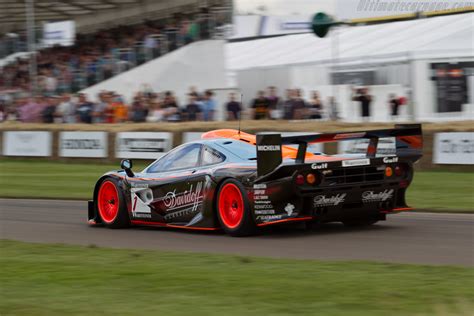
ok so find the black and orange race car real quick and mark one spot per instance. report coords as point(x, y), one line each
point(239, 182)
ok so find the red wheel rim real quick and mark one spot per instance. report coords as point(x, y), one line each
point(231, 205)
point(108, 202)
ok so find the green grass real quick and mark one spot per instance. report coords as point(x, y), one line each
point(442, 191)
point(431, 190)
point(70, 280)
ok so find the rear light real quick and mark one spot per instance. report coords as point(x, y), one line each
point(398, 171)
point(388, 171)
point(299, 179)
point(310, 178)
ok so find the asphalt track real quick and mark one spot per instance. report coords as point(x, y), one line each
point(423, 238)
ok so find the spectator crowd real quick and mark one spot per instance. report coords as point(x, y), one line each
point(149, 106)
point(101, 55)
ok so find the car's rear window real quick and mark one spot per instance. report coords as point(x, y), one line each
point(239, 148)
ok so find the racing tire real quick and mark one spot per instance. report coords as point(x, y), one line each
point(360, 222)
point(233, 209)
point(111, 206)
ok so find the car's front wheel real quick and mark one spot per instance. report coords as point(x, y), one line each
point(233, 209)
point(111, 205)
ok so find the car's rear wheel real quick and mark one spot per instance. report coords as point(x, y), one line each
point(111, 205)
point(233, 209)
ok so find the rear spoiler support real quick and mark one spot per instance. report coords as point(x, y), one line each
point(408, 140)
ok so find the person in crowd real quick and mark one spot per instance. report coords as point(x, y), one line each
point(260, 106)
point(364, 98)
point(120, 109)
point(98, 112)
point(333, 112)
point(234, 108)
point(156, 113)
point(139, 110)
point(84, 109)
point(170, 107)
point(315, 106)
point(394, 104)
point(288, 105)
point(30, 111)
point(274, 102)
point(49, 111)
point(50, 83)
point(109, 108)
point(298, 106)
point(192, 111)
point(3, 112)
point(66, 109)
point(273, 98)
point(208, 106)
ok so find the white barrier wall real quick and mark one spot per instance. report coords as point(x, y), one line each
point(83, 144)
point(142, 145)
point(455, 148)
point(27, 143)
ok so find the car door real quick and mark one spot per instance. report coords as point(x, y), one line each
point(200, 181)
point(170, 197)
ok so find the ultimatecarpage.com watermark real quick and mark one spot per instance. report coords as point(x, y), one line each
point(406, 6)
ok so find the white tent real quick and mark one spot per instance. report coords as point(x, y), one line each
point(400, 54)
point(447, 36)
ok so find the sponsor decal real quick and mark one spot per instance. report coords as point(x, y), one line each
point(269, 147)
point(141, 199)
point(390, 159)
point(262, 203)
point(371, 196)
point(319, 166)
point(323, 200)
point(138, 185)
point(289, 208)
point(355, 162)
point(266, 218)
point(141, 215)
point(264, 212)
point(192, 197)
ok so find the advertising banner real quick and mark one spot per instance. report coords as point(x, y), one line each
point(142, 145)
point(27, 143)
point(83, 144)
point(385, 147)
point(61, 33)
point(454, 148)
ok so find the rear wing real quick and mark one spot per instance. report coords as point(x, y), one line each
point(408, 143)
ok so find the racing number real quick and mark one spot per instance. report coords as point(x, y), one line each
point(134, 203)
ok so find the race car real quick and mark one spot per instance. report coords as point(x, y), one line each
point(239, 182)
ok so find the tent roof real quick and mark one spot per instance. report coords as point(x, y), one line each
point(447, 36)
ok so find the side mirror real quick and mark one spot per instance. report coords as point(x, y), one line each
point(126, 165)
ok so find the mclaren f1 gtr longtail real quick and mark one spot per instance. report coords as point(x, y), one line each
point(239, 182)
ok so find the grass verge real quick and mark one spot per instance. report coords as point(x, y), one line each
point(58, 280)
point(431, 190)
